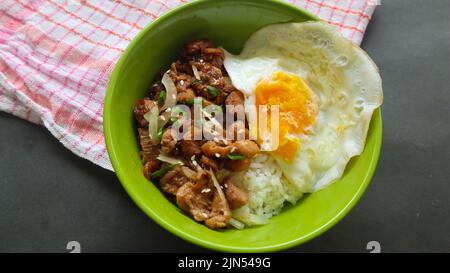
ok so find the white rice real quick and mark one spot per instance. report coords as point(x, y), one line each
point(267, 188)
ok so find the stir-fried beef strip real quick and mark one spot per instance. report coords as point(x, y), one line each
point(203, 51)
point(215, 149)
point(190, 148)
point(211, 163)
point(247, 148)
point(142, 107)
point(237, 165)
point(198, 74)
point(236, 196)
point(149, 153)
point(173, 180)
point(220, 213)
point(168, 143)
point(235, 98)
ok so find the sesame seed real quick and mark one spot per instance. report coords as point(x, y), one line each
point(217, 155)
point(206, 190)
point(233, 149)
point(181, 82)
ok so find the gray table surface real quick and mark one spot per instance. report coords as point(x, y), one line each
point(49, 197)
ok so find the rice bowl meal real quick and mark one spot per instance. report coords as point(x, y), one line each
point(231, 139)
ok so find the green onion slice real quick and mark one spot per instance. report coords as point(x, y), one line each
point(159, 173)
point(162, 97)
point(235, 156)
point(214, 92)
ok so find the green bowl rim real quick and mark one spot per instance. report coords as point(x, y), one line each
point(174, 230)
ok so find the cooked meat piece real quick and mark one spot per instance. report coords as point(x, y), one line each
point(203, 50)
point(141, 108)
point(201, 90)
point(215, 56)
point(236, 196)
point(212, 77)
point(228, 87)
point(183, 67)
point(210, 73)
point(196, 47)
point(209, 163)
point(213, 51)
point(168, 143)
point(206, 103)
point(155, 90)
point(213, 149)
point(182, 80)
point(246, 148)
point(186, 97)
point(190, 199)
point(190, 148)
point(149, 152)
point(191, 183)
point(220, 215)
point(196, 196)
point(150, 167)
point(235, 98)
point(237, 165)
point(172, 180)
point(237, 131)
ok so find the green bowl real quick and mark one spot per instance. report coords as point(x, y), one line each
point(228, 23)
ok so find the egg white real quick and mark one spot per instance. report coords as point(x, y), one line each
point(342, 76)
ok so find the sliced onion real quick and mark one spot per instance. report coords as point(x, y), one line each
point(212, 119)
point(152, 118)
point(163, 119)
point(217, 185)
point(235, 223)
point(189, 173)
point(245, 216)
point(196, 73)
point(169, 159)
point(171, 89)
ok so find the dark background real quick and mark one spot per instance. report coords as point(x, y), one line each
point(49, 197)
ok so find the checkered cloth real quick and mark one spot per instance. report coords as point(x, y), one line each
point(56, 57)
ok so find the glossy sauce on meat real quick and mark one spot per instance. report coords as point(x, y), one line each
point(198, 74)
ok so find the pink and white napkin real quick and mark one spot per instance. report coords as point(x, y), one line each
point(56, 57)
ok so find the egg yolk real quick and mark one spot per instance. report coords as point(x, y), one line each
point(297, 109)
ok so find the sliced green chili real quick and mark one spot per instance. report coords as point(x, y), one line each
point(235, 156)
point(189, 102)
point(197, 81)
point(172, 120)
point(162, 97)
point(159, 173)
point(160, 133)
point(214, 92)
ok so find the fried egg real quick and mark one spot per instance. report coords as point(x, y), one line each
point(326, 89)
